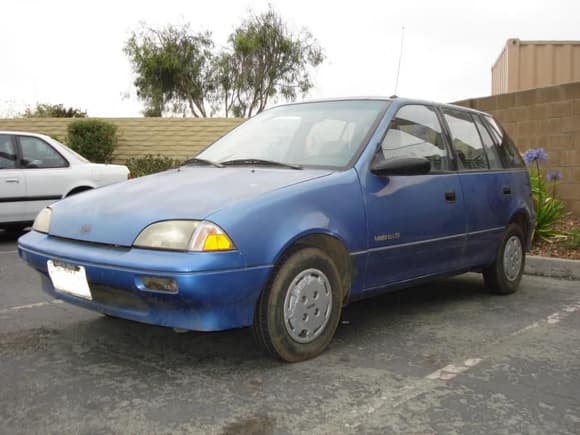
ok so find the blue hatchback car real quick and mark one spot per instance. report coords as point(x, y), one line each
point(297, 212)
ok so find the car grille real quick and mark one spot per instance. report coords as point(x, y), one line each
point(117, 298)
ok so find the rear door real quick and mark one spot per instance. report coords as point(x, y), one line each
point(13, 204)
point(47, 173)
point(485, 184)
point(416, 223)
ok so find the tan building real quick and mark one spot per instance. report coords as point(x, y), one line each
point(534, 64)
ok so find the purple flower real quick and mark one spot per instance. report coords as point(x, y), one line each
point(554, 176)
point(535, 155)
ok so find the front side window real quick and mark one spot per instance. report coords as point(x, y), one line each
point(508, 152)
point(466, 140)
point(7, 152)
point(36, 153)
point(416, 132)
point(327, 134)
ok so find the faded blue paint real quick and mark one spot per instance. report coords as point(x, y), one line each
point(398, 230)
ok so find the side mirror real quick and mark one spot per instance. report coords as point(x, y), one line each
point(401, 166)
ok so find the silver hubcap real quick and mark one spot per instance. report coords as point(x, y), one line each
point(512, 258)
point(307, 305)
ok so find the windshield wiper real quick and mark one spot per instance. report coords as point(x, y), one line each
point(196, 161)
point(260, 162)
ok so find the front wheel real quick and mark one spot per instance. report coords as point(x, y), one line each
point(505, 274)
point(297, 315)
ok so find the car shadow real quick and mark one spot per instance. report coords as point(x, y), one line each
point(130, 343)
point(11, 236)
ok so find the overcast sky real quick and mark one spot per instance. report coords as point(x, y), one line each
point(70, 52)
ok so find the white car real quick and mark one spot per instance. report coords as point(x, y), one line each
point(36, 170)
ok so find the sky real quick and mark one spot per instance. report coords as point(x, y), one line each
point(71, 52)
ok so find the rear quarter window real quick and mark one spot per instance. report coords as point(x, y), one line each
point(508, 152)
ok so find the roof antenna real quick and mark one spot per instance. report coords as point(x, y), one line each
point(400, 57)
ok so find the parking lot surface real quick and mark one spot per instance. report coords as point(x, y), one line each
point(440, 358)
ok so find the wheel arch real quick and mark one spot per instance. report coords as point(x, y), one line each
point(78, 189)
point(330, 244)
point(522, 218)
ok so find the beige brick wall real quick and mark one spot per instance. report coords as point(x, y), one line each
point(544, 117)
point(177, 138)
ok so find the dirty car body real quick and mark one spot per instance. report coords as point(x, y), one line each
point(386, 192)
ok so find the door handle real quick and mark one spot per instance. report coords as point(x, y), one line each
point(12, 180)
point(450, 196)
point(507, 190)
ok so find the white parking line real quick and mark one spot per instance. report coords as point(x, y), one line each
point(25, 307)
point(8, 252)
point(552, 319)
point(452, 370)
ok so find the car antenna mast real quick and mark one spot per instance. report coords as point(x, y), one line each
point(400, 57)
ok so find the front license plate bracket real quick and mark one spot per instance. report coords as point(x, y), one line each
point(69, 278)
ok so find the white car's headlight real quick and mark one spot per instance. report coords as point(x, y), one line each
point(184, 235)
point(42, 221)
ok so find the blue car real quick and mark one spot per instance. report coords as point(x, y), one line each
point(300, 210)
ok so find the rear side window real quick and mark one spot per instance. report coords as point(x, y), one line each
point(415, 132)
point(7, 152)
point(466, 140)
point(507, 150)
point(38, 154)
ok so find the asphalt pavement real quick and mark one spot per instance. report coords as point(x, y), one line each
point(441, 358)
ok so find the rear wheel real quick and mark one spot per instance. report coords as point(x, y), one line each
point(505, 274)
point(297, 315)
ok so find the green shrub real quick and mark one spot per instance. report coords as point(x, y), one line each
point(573, 239)
point(140, 166)
point(93, 139)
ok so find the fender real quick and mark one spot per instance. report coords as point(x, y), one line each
point(331, 205)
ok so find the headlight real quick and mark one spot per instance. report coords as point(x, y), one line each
point(184, 236)
point(42, 221)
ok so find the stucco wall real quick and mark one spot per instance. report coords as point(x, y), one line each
point(545, 117)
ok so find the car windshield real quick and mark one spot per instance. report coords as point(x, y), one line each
point(326, 134)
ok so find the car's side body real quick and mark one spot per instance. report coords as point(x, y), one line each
point(36, 170)
point(383, 232)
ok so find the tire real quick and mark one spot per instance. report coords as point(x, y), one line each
point(298, 313)
point(499, 280)
point(15, 228)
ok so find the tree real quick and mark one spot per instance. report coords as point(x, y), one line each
point(179, 71)
point(173, 68)
point(45, 110)
point(268, 62)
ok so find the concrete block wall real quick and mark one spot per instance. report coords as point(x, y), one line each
point(178, 138)
point(544, 117)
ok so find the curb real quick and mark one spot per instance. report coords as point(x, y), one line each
point(552, 267)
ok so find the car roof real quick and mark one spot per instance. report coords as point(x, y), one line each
point(399, 100)
point(25, 133)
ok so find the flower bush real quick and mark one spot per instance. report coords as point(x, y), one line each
point(549, 209)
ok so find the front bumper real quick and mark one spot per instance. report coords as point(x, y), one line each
point(216, 291)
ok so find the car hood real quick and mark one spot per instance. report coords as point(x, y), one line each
point(117, 213)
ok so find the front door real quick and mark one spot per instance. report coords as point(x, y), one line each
point(416, 224)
